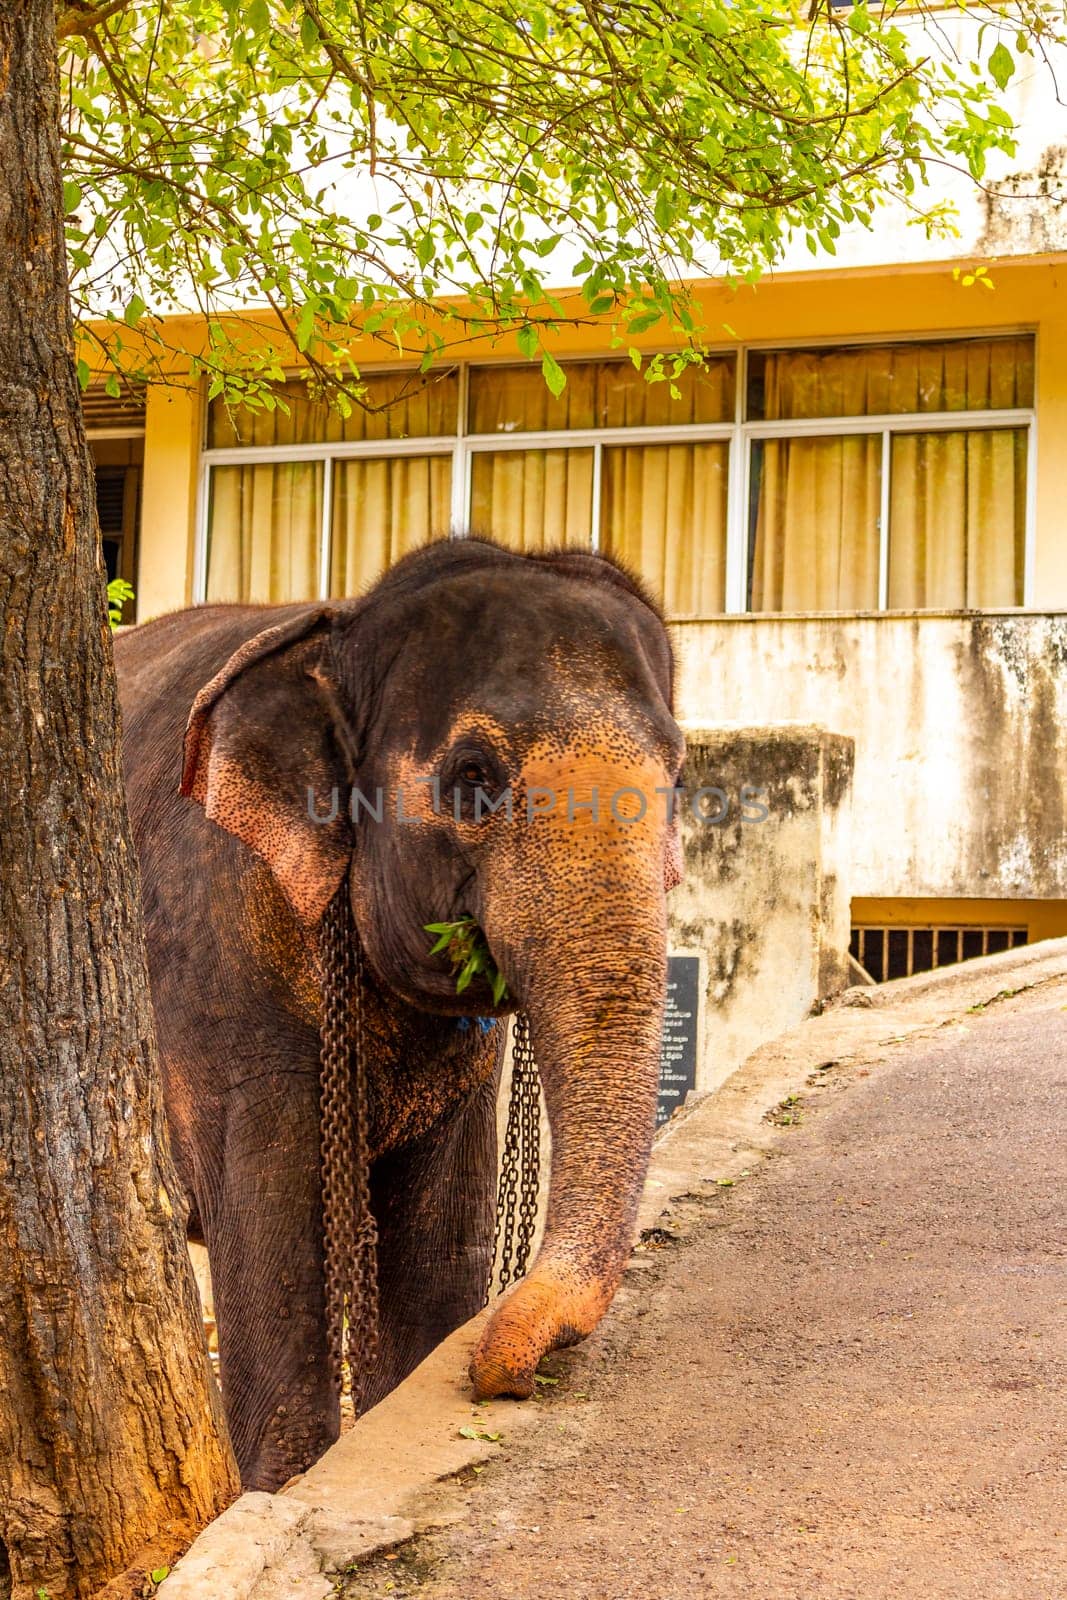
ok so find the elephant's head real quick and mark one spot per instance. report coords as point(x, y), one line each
point(506, 724)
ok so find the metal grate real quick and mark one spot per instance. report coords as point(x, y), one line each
point(898, 952)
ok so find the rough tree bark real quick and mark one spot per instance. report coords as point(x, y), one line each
point(110, 1432)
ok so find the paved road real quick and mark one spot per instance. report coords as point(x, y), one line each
point(849, 1382)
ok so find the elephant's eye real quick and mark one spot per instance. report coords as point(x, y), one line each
point(472, 778)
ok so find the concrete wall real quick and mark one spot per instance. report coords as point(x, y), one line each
point(960, 729)
point(764, 903)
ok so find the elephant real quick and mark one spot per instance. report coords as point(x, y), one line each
point(469, 672)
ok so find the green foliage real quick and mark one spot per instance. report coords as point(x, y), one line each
point(469, 954)
point(360, 164)
point(118, 592)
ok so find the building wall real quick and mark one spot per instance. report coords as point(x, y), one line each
point(958, 719)
point(1042, 919)
point(168, 504)
point(814, 306)
point(960, 728)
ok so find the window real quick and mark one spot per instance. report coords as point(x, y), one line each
point(530, 499)
point(833, 478)
point(302, 501)
point(663, 512)
point(884, 475)
point(384, 506)
point(814, 537)
point(118, 510)
point(599, 394)
point(657, 501)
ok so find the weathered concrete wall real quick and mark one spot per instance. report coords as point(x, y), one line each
point(960, 727)
point(765, 900)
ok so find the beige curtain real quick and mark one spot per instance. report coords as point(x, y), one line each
point(599, 394)
point(957, 519)
point(663, 512)
point(533, 499)
point(881, 380)
point(816, 532)
point(263, 532)
point(406, 405)
point(959, 375)
point(382, 508)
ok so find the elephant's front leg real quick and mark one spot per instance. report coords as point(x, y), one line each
point(263, 1229)
point(435, 1205)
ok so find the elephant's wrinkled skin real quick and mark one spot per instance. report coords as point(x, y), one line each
point(485, 669)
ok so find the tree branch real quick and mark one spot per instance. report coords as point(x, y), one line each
point(82, 18)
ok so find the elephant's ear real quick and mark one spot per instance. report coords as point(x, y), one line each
point(266, 747)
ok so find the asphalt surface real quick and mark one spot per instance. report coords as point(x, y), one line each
point(848, 1378)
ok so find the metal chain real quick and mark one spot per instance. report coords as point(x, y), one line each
point(520, 1168)
point(350, 1234)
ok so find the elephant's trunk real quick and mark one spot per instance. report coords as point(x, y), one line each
point(595, 1003)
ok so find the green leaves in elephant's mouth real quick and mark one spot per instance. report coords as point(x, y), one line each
point(464, 942)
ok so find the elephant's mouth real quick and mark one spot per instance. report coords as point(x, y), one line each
point(463, 945)
point(445, 967)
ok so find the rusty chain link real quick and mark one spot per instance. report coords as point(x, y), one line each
point(520, 1167)
point(350, 1235)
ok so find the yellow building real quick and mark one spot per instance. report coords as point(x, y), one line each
point(854, 514)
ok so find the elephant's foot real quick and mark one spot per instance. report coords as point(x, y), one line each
point(289, 1447)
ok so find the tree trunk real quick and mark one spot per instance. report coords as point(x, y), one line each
point(111, 1439)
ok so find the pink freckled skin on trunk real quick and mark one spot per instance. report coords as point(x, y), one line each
point(589, 967)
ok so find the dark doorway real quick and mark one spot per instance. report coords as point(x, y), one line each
point(116, 426)
point(118, 504)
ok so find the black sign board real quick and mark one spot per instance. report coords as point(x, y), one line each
point(678, 1057)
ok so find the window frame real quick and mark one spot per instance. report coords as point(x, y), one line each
point(738, 434)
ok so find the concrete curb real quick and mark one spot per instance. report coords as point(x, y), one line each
point(249, 1538)
point(379, 1484)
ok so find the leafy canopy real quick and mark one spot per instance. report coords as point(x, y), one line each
point(360, 164)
